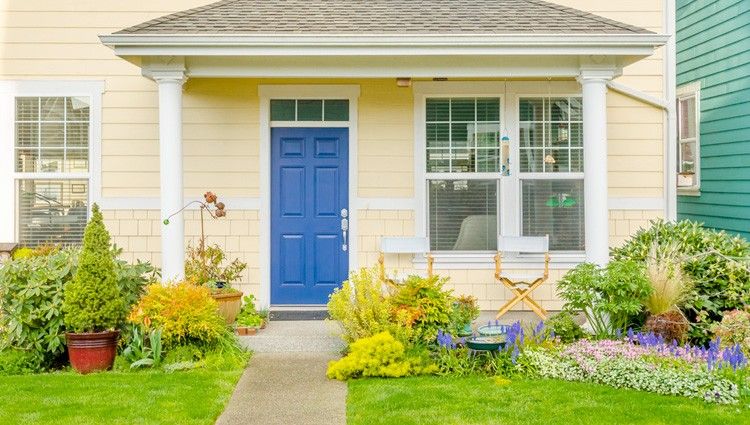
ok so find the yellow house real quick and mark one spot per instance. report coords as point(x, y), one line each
point(328, 126)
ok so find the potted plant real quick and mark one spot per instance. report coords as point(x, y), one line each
point(250, 319)
point(465, 311)
point(205, 264)
point(93, 305)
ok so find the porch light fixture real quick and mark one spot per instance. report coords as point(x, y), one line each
point(403, 82)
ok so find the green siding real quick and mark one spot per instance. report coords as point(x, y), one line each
point(713, 47)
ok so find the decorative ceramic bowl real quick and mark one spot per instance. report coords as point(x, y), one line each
point(493, 330)
point(485, 343)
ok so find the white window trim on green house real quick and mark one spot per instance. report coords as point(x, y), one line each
point(689, 183)
point(10, 177)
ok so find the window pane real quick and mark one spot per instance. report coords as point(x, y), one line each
point(27, 109)
point(463, 109)
point(282, 110)
point(438, 110)
point(531, 110)
point(52, 134)
point(27, 160)
point(76, 160)
point(52, 109)
point(687, 118)
point(558, 109)
point(488, 109)
point(77, 109)
point(463, 215)
point(77, 134)
point(532, 134)
point(51, 160)
point(687, 157)
point(438, 135)
point(551, 126)
point(309, 110)
point(52, 211)
point(438, 160)
point(336, 110)
point(554, 208)
point(532, 160)
point(27, 134)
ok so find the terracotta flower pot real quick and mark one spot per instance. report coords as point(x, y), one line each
point(230, 304)
point(92, 351)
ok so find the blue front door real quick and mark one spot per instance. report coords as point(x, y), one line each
point(309, 200)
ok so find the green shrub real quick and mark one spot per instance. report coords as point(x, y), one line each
point(185, 313)
point(19, 362)
point(93, 302)
point(465, 311)
point(716, 262)
point(380, 355)
point(734, 328)
point(565, 327)
point(361, 306)
point(207, 266)
point(609, 297)
point(249, 315)
point(31, 302)
point(424, 306)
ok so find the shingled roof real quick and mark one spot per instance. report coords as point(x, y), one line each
point(236, 17)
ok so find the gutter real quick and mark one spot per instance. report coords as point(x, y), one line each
point(639, 95)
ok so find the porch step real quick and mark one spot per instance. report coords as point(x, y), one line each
point(296, 336)
point(287, 315)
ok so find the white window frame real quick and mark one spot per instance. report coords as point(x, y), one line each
point(540, 175)
point(510, 217)
point(9, 91)
point(687, 91)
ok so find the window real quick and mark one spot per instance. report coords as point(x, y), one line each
point(688, 134)
point(465, 159)
point(51, 157)
point(551, 170)
point(309, 110)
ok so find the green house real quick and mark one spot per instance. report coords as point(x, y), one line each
point(713, 113)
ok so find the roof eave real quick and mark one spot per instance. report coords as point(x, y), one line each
point(391, 44)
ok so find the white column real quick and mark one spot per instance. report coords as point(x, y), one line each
point(170, 169)
point(595, 164)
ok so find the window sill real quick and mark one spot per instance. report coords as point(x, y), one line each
point(480, 260)
point(688, 191)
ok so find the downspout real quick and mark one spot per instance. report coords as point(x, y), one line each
point(670, 123)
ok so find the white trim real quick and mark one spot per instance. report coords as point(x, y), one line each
point(382, 44)
point(302, 91)
point(153, 203)
point(9, 90)
point(635, 204)
point(687, 91)
point(670, 121)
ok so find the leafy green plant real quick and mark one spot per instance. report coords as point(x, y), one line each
point(424, 306)
point(206, 266)
point(564, 327)
point(465, 311)
point(609, 297)
point(93, 302)
point(19, 362)
point(716, 263)
point(734, 328)
point(185, 313)
point(31, 302)
point(380, 355)
point(144, 349)
point(361, 306)
point(249, 315)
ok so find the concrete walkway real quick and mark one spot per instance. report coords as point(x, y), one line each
point(285, 382)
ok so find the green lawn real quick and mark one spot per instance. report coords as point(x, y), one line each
point(478, 400)
point(193, 397)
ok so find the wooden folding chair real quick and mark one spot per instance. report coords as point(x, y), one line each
point(522, 286)
point(403, 245)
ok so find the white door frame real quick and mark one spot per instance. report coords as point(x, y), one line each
point(301, 91)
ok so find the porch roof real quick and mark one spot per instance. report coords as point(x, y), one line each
point(382, 17)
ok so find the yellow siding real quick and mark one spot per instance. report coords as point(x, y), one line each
point(52, 39)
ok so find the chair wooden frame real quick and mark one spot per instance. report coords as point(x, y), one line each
point(525, 293)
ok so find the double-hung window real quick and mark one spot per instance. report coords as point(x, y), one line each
point(51, 168)
point(551, 170)
point(688, 135)
point(465, 159)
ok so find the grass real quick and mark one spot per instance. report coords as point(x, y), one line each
point(191, 397)
point(479, 400)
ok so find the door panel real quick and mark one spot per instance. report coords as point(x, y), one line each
point(309, 189)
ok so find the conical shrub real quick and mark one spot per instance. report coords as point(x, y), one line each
point(93, 302)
